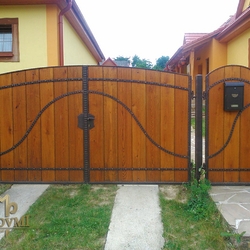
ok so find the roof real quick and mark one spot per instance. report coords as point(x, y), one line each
point(75, 18)
point(190, 37)
point(109, 62)
point(194, 40)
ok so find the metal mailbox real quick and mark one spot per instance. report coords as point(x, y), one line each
point(233, 96)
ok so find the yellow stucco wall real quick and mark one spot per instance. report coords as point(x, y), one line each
point(218, 58)
point(237, 52)
point(246, 4)
point(32, 36)
point(52, 13)
point(75, 51)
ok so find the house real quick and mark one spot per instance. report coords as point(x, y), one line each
point(109, 62)
point(201, 53)
point(45, 33)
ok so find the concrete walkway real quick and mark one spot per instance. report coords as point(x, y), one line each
point(23, 195)
point(136, 219)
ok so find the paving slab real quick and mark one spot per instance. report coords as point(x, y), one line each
point(234, 204)
point(136, 219)
point(21, 196)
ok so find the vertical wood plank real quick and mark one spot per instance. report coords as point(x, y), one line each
point(216, 124)
point(153, 121)
point(167, 126)
point(124, 125)
point(20, 126)
point(6, 128)
point(245, 131)
point(231, 154)
point(96, 103)
point(110, 124)
point(47, 125)
point(61, 125)
point(34, 138)
point(138, 138)
point(181, 127)
point(75, 133)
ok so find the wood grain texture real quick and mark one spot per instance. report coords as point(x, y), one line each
point(47, 125)
point(124, 125)
point(244, 148)
point(61, 108)
point(75, 133)
point(215, 126)
point(167, 126)
point(153, 128)
point(110, 124)
point(20, 126)
point(181, 127)
point(34, 138)
point(138, 138)
point(6, 128)
point(96, 104)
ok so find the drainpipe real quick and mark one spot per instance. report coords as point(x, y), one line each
point(63, 11)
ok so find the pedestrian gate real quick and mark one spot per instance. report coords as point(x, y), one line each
point(94, 124)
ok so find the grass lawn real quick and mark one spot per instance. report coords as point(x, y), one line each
point(74, 217)
point(4, 187)
point(66, 217)
point(190, 226)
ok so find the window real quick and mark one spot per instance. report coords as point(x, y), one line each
point(9, 51)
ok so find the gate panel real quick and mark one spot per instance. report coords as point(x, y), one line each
point(227, 136)
point(40, 139)
point(136, 137)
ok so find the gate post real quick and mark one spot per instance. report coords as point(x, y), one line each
point(198, 125)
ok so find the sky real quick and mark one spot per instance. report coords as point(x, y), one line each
point(151, 28)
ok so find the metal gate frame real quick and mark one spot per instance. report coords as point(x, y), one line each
point(85, 123)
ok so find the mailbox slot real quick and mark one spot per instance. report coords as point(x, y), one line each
point(233, 96)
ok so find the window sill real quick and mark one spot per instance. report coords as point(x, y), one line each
point(6, 54)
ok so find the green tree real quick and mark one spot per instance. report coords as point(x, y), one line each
point(122, 58)
point(161, 63)
point(141, 63)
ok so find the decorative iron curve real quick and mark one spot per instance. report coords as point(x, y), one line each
point(138, 123)
point(36, 119)
point(93, 92)
point(237, 116)
point(231, 132)
point(226, 79)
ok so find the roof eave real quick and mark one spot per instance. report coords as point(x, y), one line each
point(237, 27)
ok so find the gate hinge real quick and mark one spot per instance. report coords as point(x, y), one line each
point(90, 120)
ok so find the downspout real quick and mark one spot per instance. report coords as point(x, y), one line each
point(61, 50)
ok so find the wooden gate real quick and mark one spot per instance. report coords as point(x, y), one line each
point(141, 131)
point(227, 133)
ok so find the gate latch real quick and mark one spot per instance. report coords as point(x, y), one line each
point(90, 121)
